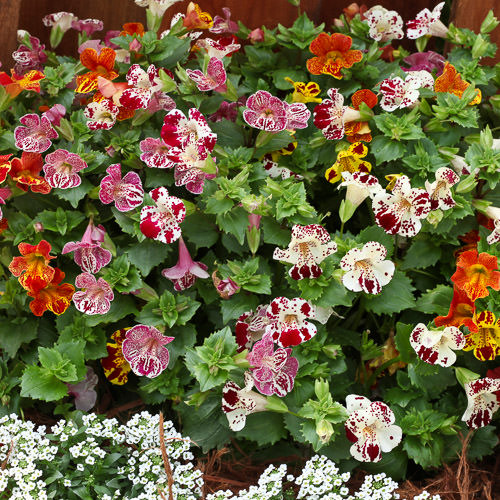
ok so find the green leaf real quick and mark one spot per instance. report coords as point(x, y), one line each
point(436, 301)
point(236, 305)
point(423, 252)
point(274, 233)
point(402, 339)
point(146, 255)
point(393, 464)
point(15, 332)
point(200, 229)
point(61, 221)
point(395, 297)
point(385, 149)
point(122, 306)
point(482, 443)
point(40, 383)
point(234, 222)
point(228, 133)
point(74, 195)
point(264, 428)
point(376, 233)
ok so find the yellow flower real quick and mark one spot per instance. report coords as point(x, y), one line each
point(392, 178)
point(304, 92)
point(486, 341)
point(349, 161)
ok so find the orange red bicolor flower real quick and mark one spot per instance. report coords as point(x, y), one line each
point(196, 19)
point(357, 130)
point(450, 81)
point(26, 172)
point(133, 29)
point(15, 84)
point(475, 273)
point(116, 367)
point(4, 166)
point(333, 52)
point(461, 312)
point(485, 343)
point(99, 65)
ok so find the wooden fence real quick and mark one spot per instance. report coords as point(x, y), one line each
point(27, 14)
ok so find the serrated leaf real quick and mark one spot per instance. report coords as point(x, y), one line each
point(423, 252)
point(40, 383)
point(265, 428)
point(16, 332)
point(74, 195)
point(147, 255)
point(436, 301)
point(200, 229)
point(395, 297)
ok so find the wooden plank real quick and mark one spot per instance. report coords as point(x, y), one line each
point(9, 19)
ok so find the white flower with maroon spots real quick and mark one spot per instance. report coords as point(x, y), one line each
point(329, 115)
point(309, 246)
point(251, 326)
point(439, 190)
point(287, 321)
point(400, 212)
point(399, 93)
point(366, 269)
point(360, 185)
point(436, 346)
point(178, 130)
point(126, 193)
point(217, 49)
point(143, 85)
point(161, 222)
point(101, 114)
point(95, 297)
point(385, 25)
point(482, 402)
point(213, 79)
point(371, 428)
point(493, 213)
point(427, 23)
point(237, 403)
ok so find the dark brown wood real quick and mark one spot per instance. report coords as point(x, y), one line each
point(9, 20)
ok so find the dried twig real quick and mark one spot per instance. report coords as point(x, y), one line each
point(166, 463)
point(4, 463)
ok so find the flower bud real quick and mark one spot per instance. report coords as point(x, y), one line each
point(324, 430)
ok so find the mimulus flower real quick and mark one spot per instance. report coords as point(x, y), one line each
point(356, 130)
point(54, 297)
point(304, 92)
point(349, 161)
point(4, 194)
point(400, 212)
point(216, 49)
point(157, 7)
point(29, 58)
point(96, 295)
point(142, 87)
point(287, 321)
point(36, 135)
point(183, 275)
point(485, 342)
point(482, 401)
point(88, 26)
point(332, 54)
point(16, 84)
point(273, 371)
point(436, 346)
point(115, 366)
point(225, 287)
point(297, 115)
point(26, 172)
point(161, 223)
point(126, 193)
point(427, 61)
point(309, 246)
point(99, 65)
point(397, 93)
point(475, 272)
point(265, 112)
point(32, 268)
point(62, 20)
point(371, 428)
point(88, 252)
point(451, 81)
point(237, 403)
point(178, 130)
point(462, 311)
point(439, 190)
point(154, 153)
point(101, 114)
point(61, 169)
point(84, 392)
point(385, 25)
point(55, 113)
point(493, 213)
point(196, 19)
point(250, 327)
point(213, 79)
point(144, 349)
point(5, 166)
point(224, 25)
point(360, 186)
point(366, 269)
point(329, 115)
point(427, 23)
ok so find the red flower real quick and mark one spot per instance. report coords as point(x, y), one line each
point(26, 172)
point(355, 130)
point(116, 367)
point(461, 312)
point(4, 166)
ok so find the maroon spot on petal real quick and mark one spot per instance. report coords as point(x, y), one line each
point(305, 308)
point(149, 228)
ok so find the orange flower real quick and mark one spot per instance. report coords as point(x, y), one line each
point(54, 297)
point(333, 54)
point(33, 268)
point(26, 172)
point(486, 341)
point(99, 64)
point(355, 130)
point(133, 29)
point(16, 84)
point(4, 166)
point(450, 81)
point(461, 312)
point(475, 273)
point(116, 367)
point(196, 19)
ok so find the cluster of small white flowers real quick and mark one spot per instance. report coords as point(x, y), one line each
point(107, 429)
point(425, 495)
point(378, 487)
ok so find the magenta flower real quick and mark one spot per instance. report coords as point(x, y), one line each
point(144, 349)
point(265, 112)
point(95, 297)
point(297, 115)
point(250, 327)
point(4, 194)
point(126, 193)
point(36, 135)
point(214, 79)
point(226, 111)
point(101, 114)
point(161, 223)
point(91, 44)
point(427, 61)
point(273, 371)
point(183, 275)
point(55, 113)
point(88, 26)
point(29, 58)
point(154, 153)
point(224, 24)
point(178, 130)
point(84, 392)
point(61, 169)
point(88, 252)
point(109, 36)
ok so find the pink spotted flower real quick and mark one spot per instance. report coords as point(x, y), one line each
point(144, 349)
point(287, 318)
point(183, 275)
point(439, 190)
point(95, 297)
point(224, 24)
point(88, 253)
point(154, 153)
point(427, 23)
point(482, 402)
point(273, 371)
point(87, 26)
point(297, 115)
point(371, 428)
point(400, 212)
point(126, 193)
point(309, 246)
point(4, 194)
point(213, 79)
point(385, 25)
point(436, 346)
point(61, 169)
point(161, 222)
point(101, 114)
point(36, 135)
point(55, 114)
point(29, 58)
point(265, 112)
point(217, 49)
point(250, 327)
point(365, 268)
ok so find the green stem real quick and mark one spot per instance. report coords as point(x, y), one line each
point(380, 369)
point(342, 228)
